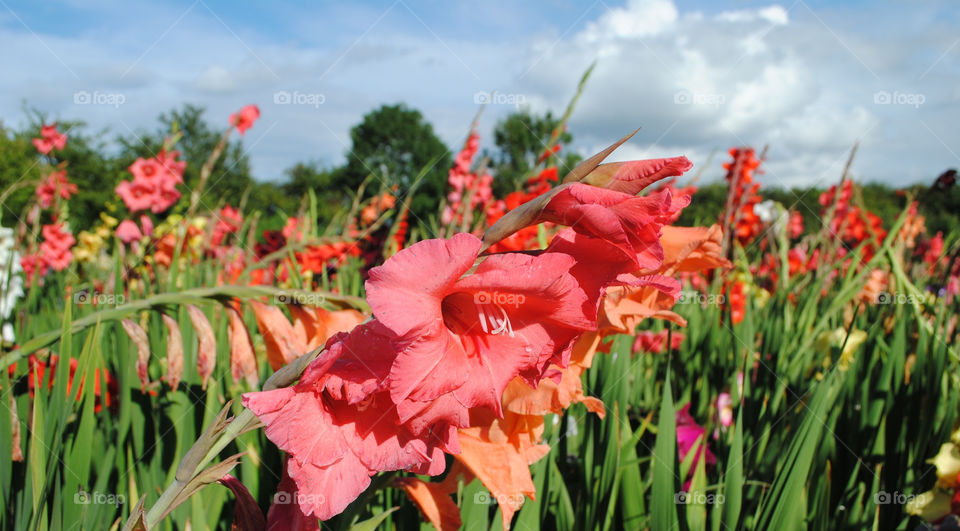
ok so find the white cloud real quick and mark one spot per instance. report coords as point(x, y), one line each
point(767, 76)
point(800, 81)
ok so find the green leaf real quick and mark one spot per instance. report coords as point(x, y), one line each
point(665, 477)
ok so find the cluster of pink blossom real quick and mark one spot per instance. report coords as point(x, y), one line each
point(154, 184)
point(468, 191)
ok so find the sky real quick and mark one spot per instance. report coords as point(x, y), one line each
point(808, 78)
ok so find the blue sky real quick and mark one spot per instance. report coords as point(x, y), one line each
point(807, 77)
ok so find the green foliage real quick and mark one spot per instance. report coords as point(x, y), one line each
point(521, 138)
point(394, 144)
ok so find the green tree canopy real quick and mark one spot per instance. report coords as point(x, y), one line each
point(395, 144)
point(521, 138)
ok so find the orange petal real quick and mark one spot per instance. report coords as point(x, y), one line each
point(243, 361)
point(278, 335)
point(339, 321)
point(434, 502)
point(502, 463)
point(304, 323)
point(139, 337)
point(207, 348)
point(687, 249)
point(174, 352)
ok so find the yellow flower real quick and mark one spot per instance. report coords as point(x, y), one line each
point(838, 338)
point(109, 221)
point(931, 506)
point(947, 462)
point(88, 246)
point(761, 296)
point(168, 224)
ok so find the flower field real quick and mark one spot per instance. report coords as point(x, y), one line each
point(575, 353)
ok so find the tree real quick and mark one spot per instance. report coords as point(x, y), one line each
point(395, 144)
point(87, 165)
point(302, 178)
point(521, 138)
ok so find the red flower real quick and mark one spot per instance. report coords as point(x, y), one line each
point(654, 342)
point(54, 185)
point(38, 368)
point(737, 301)
point(33, 266)
point(244, 119)
point(229, 221)
point(795, 227)
point(50, 139)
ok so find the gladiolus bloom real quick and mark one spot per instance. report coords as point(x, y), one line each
point(128, 231)
point(465, 339)
point(50, 139)
point(54, 185)
point(244, 119)
point(55, 248)
point(154, 184)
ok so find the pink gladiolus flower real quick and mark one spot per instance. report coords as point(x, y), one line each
point(688, 431)
point(147, 225)
point(147, 170)
point(55, 248)
point(50, 139)
point(354, 428)
point(390, 394)
point(229, 221)
point(128, 231)
point(244, 119)
point(173, 167)
point(154, 184)
point(135, 195)
point(53, 185)
point(463, 340)
point(285, 513)
point(630, 223)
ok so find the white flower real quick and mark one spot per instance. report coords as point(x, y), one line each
point(11, 282)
